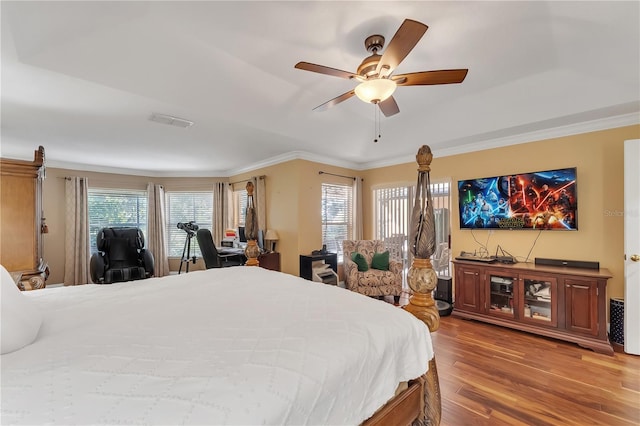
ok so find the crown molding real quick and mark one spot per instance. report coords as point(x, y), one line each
point(133, 172)
point(477, 143)
point(293, 155)
point(480, 143)
point(296, 155)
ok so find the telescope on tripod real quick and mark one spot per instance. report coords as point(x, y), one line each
point(190, 228)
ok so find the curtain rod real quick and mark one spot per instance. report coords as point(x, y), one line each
point(247, 180)
point(333, 174)
point(240, 181)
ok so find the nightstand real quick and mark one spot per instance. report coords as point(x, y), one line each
point(306, 263)
point(270, 261)
point(17, 277)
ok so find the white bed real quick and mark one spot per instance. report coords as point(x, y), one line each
point(237, 345)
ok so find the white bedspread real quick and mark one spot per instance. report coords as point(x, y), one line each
point(237, 345)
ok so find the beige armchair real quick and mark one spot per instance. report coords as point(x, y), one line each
point(441, 259)
point(372, 282)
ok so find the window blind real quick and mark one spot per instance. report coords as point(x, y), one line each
point(115, 208)
point(337, 216)
point(186, 207)
point(240, 203)
point(392, 211)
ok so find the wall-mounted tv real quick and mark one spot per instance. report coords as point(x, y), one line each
point(538, 200)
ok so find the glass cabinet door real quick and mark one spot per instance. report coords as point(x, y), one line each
point(539, 300)
point(501, 295)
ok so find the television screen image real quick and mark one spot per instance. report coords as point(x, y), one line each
point(538, 200)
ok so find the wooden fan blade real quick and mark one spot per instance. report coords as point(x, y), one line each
point(389, 107)
point(424, 78)
point(325, 106)
point(321, 69)
point(405, 39)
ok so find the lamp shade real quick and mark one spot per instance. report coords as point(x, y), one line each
point(375, 90)
point(271, 235)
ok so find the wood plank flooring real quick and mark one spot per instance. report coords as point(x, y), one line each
point(492, 375)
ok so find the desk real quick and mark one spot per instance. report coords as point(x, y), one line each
point(266, 260)
point(233, 256)
point(230, 251)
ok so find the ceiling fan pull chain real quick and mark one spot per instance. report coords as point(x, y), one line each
point(376, 123)
point(379, 131)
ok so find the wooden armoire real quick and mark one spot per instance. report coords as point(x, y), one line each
point(21, 221)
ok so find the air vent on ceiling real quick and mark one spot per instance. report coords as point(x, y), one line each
point(168, 119)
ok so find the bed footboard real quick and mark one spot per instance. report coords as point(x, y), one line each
point(432, 412)
point(418, 405)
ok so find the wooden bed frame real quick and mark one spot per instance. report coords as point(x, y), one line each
point(421, 403)
point(418, 405)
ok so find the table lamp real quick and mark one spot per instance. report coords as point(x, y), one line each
point(271, 237)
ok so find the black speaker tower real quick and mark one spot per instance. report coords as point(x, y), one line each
point(443, 296)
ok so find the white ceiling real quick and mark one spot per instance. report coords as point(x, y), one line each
point(82, 79)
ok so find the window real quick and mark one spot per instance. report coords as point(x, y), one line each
point(392, 215)
point(392, 211)
point(440, 198)
point(240, 207)
point(337, 216)
point(186, 207)
point(115, 207)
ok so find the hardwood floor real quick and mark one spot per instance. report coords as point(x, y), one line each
point(491, 375)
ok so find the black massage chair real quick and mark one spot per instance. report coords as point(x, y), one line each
point(121, 256)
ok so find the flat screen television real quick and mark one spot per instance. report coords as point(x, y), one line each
point(537, 200)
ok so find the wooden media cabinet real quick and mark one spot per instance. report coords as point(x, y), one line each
point(559, 302)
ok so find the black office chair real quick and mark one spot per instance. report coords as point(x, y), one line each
point(121, 256)
point(210, 255)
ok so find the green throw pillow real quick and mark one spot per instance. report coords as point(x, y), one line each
point(380, 261)
point(360, 261)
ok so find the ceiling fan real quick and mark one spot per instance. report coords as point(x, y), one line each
point(377, 83)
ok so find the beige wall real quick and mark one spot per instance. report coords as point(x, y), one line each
point(281, 183)
point(54, 207)
point(294, 205)
point(294, 189)
point(598, 157)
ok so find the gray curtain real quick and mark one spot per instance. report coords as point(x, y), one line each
point(156, 232)
point(260, 200)
point(222, 205)
point(77, 251)
point(357, 209)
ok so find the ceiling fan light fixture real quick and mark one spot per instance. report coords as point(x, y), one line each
point(375, 90)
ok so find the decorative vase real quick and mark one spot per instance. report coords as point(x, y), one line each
point(252, 251)
point(423, 280)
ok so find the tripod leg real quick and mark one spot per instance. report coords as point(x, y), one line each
point(190, 255)
point(188, 252)
point(184, 249)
